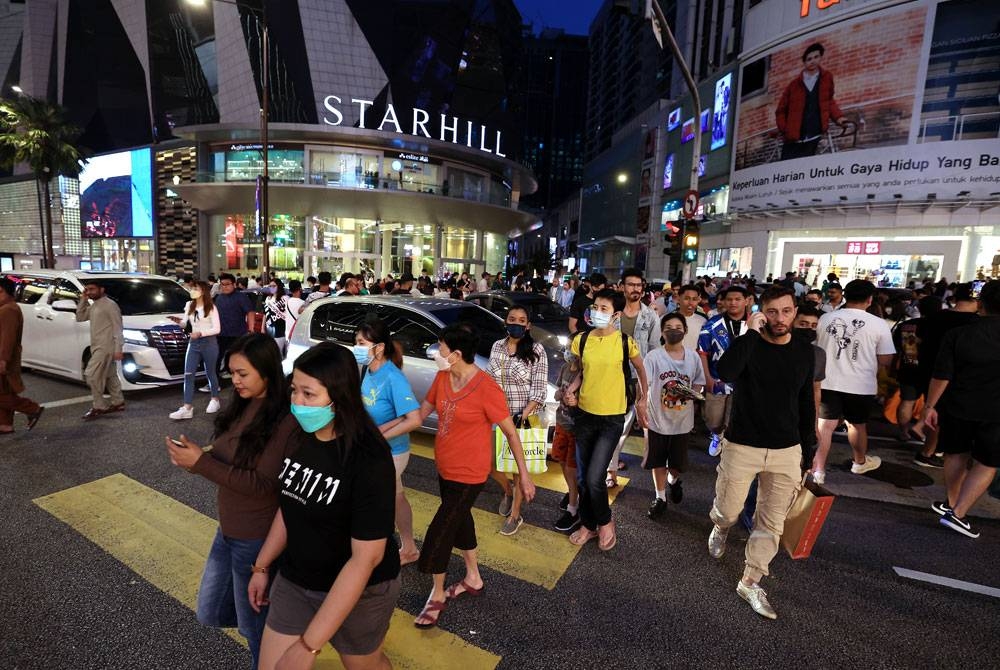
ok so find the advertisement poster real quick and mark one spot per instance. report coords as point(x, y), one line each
point(720, 121)
point(116, 195)
point(846, 114)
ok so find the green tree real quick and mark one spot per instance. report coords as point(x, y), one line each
point(35, 132)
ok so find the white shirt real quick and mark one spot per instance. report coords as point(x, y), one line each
point(670, 414)
point(482, 286)
point(695, 323)
point(853, 339)
point(293, 305)
point(205, 326)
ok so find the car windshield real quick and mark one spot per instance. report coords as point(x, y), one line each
point(136, 297)
point(490, 327)
point(543, 311)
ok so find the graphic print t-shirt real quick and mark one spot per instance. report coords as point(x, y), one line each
point(853, 339)
point(387, 395)
point(671, 414)
point(326, 500)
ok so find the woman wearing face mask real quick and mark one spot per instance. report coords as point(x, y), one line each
point(339, 576)
point(518, 364)
point(390, 401)
point(275, 310)
point(468, 404)
point(201, 321)
point(673, 371)
point(253, 435)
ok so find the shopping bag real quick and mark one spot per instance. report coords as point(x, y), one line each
point(533, 443)
point(805, 519)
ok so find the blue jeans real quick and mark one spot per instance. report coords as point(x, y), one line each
point(596, 439)
point(203, 350)
point(222, 597)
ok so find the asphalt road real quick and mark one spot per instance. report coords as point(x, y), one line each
point(657, 600)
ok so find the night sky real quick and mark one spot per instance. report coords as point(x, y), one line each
point(573, 16)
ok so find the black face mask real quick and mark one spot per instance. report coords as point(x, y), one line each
point(806, 333)
point(516, 330)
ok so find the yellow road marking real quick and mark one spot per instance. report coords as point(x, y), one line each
point(167, 543)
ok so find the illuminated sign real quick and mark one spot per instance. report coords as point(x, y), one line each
point(668, 172)
point(864, 248)
point(720, 121)
point(706, 116)
point(820, 4)
point(674, 119)
point(451, 130)
point(687, 131)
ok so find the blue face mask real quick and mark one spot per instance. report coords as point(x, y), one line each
point(313, 418)
point(362, 354)
point(599, 319)
point(516, 330)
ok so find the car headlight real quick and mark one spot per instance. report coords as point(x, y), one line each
point(135, 337)
point(563, 340)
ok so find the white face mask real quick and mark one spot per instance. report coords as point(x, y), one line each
point(195, 293)
point(600, 319)
point(442, 361)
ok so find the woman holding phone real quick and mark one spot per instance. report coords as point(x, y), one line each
point(253, 438)
point(339, 576)
point(201, 321)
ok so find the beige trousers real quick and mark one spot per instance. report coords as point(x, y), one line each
point(780, 478)
point(102, 374)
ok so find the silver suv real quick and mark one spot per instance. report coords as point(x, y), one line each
point(54, 342)
point(415, 322)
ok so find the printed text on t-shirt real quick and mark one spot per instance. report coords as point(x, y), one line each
point(302, 483)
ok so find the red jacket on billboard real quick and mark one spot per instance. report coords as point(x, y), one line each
point(788, 116)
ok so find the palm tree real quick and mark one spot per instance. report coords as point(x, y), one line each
point(36, 132)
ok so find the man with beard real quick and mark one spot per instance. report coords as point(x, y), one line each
point(773, 414)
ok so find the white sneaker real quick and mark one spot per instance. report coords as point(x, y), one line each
point(182, 413)
point(205, 389)
point(871, 463)
point(213, 406)
point(819, 477)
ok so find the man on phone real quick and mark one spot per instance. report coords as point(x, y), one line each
point(772, 376)
point(106, 341)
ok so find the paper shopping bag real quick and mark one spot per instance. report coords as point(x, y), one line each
point(533, 444)
point(805, 519)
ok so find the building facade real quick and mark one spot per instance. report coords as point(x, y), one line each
point(393, 138)
point(899, 178)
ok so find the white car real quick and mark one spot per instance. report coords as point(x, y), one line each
point(415, 322)
point(55, 343)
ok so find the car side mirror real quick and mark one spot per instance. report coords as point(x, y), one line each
point(64, 306)
point(432, 350)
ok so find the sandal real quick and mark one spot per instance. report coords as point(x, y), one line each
point(432, 607)
point(452, 591)
point(610, 543)
point(622, 466)
point(404, 559)
point(582, 536)
point(611, 482)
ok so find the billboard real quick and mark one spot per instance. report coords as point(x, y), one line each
point(116, 195)
point(896, 104)
point(720, 121)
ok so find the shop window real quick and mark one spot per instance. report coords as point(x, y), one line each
point(284, 165)
point(344, 168)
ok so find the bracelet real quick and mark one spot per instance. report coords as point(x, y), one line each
point(302, 641)
point(256, 568)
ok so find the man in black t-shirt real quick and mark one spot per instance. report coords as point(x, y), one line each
point(966, 383)
point(906, 368)
point(772, 376)
point(582, 301)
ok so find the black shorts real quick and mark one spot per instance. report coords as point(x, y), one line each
point(853, 408)
point(962, 436)
point(666, 451)
point(910, 392)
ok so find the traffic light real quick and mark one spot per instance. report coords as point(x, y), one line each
point(691, 231)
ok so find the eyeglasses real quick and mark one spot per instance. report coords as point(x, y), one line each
point(633, 284)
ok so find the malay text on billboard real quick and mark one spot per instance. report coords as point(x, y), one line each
point(874, 108)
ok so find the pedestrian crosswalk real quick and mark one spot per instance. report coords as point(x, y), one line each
point(166, 543)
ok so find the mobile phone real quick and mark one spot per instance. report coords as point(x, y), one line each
point(755, 308)
point(177, 442)
point(977, 287)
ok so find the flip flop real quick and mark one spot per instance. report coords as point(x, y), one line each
point(430, 607)
point(610, 545)
point(611, 482)
point(582, 536)
point(403, 561)
point(452, 591)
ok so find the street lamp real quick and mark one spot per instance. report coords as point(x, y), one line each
point(263, 221)
point(17, 89)
point(622, 178)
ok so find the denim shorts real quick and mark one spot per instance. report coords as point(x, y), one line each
point(364, 629)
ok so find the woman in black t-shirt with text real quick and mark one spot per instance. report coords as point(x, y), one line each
point(339, 575)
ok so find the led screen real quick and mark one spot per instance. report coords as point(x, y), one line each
point(687, 131)
point(116, 195)
point(706, 119)
point(721, 118)
point(674, 119)
point(668, 172)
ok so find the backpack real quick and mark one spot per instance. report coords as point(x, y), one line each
point(629, 388)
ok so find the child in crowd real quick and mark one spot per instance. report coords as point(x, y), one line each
point(564, 444)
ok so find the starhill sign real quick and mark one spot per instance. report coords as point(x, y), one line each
point(450, 129)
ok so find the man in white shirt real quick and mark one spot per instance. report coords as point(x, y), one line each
point(483, 285)
point(834, 298)
point(690, 299)
point(857, 344)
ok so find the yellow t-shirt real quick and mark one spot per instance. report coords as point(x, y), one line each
point(603, 389)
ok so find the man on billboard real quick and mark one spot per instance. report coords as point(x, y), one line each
point(807, 106)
